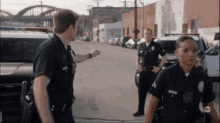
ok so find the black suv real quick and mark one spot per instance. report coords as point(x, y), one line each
point(168, 43)
point(17, 55)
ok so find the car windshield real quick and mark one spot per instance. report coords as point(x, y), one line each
point(170, 45)
point(19, 50)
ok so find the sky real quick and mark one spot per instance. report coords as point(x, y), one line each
point(79, 6)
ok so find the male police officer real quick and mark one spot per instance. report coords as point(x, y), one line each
point(147, 64)
point(53, 71)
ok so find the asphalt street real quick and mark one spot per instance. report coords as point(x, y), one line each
point(104, 86)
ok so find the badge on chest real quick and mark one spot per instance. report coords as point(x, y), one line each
point(188, 97)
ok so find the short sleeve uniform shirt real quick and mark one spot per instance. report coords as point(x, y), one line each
point(149, 54)
point(172, 84)
point(55, 62)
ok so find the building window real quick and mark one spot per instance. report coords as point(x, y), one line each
point(184, 28)
point(155, 29)
point(127, 31)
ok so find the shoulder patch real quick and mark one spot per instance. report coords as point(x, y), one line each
point(201, 86)
point(154, 85)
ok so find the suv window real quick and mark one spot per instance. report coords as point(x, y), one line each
point(19, 50)
point(170, 45)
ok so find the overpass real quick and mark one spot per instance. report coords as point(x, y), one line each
point(42, 14)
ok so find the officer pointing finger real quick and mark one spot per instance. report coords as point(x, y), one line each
point(95, 52)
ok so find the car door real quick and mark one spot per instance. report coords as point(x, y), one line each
point(212, 60)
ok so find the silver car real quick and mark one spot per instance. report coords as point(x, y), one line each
point(212, 59)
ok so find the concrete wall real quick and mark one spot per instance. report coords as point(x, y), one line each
point(169, 16)
point(105, 31)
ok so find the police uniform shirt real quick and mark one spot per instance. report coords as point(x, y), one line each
point(149, 54)
point(173, 84)
point(54, 61)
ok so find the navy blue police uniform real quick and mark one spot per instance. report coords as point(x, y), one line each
point(149, 58)
point(182, 94)
point(56, 62)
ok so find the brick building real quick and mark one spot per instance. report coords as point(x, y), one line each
point(142, 23)
point(174, 16)
point(204, 18)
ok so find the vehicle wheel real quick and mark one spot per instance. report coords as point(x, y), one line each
point(137, 74)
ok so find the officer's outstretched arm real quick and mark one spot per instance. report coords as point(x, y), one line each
point(215, 118)
point(81, 58)
point(151, 108)
point(41, 98)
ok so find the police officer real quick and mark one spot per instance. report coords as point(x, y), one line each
point(147, 65)
point(54, 70)
point(183, 86)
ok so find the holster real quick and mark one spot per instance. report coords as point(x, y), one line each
point(157, 116)
point(27, 104)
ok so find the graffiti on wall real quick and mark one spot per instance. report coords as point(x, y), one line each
point(168, 18)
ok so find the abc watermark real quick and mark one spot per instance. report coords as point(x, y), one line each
point(207, 109)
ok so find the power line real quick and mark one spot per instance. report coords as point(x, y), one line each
point(125, 2)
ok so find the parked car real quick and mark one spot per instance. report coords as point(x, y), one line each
point(16, 63)
point(211, 58)
point(125, 39)
point(120, 41)
point(132, 43)
point(115, 41)
point(87, 39)
point(213, 38)
point(110, 41)
point(141, 41)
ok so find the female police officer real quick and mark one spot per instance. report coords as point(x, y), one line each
point(183, 86)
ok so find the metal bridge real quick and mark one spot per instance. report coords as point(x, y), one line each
point(42, 14)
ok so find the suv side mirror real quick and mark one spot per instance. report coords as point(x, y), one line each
point(201, 53)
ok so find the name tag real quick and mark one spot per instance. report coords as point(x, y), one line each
point(65, 68)
point(172, 92)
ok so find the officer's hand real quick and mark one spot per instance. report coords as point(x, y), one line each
point(156, 69)
point(139, 68)
point(95, 52)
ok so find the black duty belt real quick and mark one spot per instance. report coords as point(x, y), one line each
point(147, 68)
point(61, 108)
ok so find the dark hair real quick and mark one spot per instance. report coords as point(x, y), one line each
point(150, 30)
point(182, 39)
point(63, 19)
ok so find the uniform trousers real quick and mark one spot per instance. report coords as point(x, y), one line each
point(146, 80)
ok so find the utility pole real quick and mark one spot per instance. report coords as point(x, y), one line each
point(41, 12)
point(90, 27)
point(125, 2)
point(98, 1)
point(136, 31)
point(143, 18)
